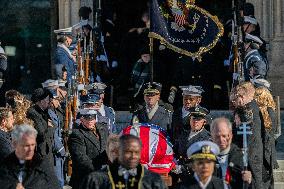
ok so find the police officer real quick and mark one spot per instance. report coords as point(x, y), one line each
point(254, 63)
point(192, 96)
point(64, 58)
point(203, 156)
point(154, 111)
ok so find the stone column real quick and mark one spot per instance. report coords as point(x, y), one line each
point(75, 6)
point(61, 13)
point(67, 7)
point(277, 48)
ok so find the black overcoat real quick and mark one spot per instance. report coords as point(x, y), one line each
point(87, 152)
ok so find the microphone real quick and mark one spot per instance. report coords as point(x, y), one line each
point(172, 95)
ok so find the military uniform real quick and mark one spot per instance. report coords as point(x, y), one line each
point(184, 140)
point(180, 113)
point(109, 113)
point(111, 177)
point(192, 183)
point(56, 115)
point(64, 57)
point(253, 59)
point(58, 147)
point(159, 113)
point(199, 151)
point(188, 137)
point(87, 152)
point(162, 117)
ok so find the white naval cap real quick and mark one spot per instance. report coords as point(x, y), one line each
point(61, 83)
point(250, 20)
point(87, 111)
point(50, 83)
point(80, 24)
point(203, 150)
point(253, 38)
point(191, 90)
point(64, 32)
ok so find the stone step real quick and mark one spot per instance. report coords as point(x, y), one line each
point(278, 175)
point(278, 185)
point(280, 163)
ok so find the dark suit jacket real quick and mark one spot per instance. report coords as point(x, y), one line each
point(87, 152)
point(5, 145)
point(39, 174)
point(235, 157)
point(251, 113)
point(45, 138)
point(177, 123)
point(191, 183)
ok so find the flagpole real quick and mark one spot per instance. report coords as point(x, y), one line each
point(151, 45)
point(152, 60)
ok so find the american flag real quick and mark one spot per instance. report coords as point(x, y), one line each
point(179, 17)
point(156, 152)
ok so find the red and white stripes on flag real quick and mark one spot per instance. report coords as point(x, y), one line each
point(157, 152)
point(179, 19)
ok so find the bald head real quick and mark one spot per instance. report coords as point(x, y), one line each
point(221, 132)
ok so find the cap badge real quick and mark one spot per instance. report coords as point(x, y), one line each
point(206, 149)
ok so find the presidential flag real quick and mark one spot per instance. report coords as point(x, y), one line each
point(184, 27)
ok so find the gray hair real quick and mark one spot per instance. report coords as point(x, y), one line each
point(216, 121)
point(20, 130)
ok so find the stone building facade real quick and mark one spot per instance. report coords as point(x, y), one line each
point(269, 13)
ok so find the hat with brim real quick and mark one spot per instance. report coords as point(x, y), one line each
point(192, 90)
point(64, 32)
point(253, 39)
point(197, 113)
point(153, 88)
point(90, 99)
point(50, 83)
point(250, 20)
point(88, 113)
point(203, 150)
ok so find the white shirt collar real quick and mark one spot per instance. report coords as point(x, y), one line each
point(203, 186)
point(102, 110)
point(184, 112)
point(193, 133)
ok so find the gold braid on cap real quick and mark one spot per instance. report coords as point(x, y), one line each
point(265, 100)
point(203, 156)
